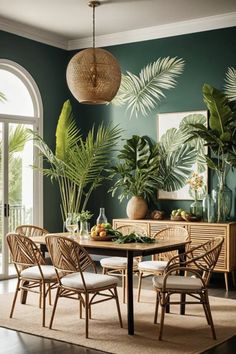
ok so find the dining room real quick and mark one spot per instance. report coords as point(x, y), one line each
point(111, 140)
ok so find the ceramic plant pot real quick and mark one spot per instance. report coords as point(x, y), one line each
point(137, 208)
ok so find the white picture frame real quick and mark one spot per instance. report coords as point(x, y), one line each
point(166, 121)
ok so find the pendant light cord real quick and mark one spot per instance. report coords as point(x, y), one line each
point(93, 26)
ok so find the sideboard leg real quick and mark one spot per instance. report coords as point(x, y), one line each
point(226, 281)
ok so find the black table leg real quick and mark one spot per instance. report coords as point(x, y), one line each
point(130, 299)
point(182, 296)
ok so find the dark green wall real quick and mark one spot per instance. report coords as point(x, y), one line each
point(47, 66)
point(207, 56)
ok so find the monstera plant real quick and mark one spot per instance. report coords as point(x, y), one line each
point(144, 167)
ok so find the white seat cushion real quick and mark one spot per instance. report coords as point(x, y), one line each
point(92, 280)
point(152, 266)
point(177, 282)
point(34, 273)
point(111, 262)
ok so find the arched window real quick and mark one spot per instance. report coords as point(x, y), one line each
point(21, 192)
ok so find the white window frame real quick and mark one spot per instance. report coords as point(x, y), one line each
point(36, 121)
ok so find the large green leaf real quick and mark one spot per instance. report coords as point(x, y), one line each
point(230, 86)
point(141, 93)
point(220, 112)
point(172, 139)
point(136, 152)
point(67, 134)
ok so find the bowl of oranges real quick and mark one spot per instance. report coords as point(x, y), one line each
point(102, 232)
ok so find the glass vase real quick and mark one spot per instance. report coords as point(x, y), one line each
point(222, 197)
point(208, 209)
point(102, 219)
point(71, 223)
point(196, 208)
point(84, 230)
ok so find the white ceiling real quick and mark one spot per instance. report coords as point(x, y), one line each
point(71, 20)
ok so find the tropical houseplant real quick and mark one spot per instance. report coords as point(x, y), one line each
point(220, 137)
point(141, 93)
point(77, 164)
point(144, 167)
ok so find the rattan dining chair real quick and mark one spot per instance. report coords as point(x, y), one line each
point(197, 265)
point(80, 279)
point(32, 231)
point(118, 265)
point(32, 272)
point(159, 261)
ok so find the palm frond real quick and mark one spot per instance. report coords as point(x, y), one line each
point(17, 138)
point(176, 167)
point(230, 85)
point(89, 158)
point(67, 133)
point(141, 93)
point(2, 97)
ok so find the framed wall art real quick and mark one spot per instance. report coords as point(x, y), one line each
point(178, 120)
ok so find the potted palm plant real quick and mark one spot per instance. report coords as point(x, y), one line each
point(77, 164)
point(220, 137)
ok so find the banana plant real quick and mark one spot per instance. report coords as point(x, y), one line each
point(220, 136)
point(141, 93)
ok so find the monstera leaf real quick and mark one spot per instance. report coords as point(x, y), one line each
point(136, 152)
point(172, 139)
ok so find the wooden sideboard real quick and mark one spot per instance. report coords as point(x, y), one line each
point(199, 233)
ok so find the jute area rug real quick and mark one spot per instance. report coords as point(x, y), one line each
point(182, 334)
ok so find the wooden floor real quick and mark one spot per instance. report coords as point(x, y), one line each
point(13, 342)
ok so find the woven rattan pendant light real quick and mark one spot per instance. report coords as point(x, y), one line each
point(93, 75)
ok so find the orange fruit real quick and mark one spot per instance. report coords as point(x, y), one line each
point(102, 233)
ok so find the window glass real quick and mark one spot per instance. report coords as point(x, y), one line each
point(18, 100)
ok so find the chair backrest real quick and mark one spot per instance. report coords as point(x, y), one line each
point(67, 255)
point(128, 229)
point(172, 232)
point(203, 257)
point(167, 234)
point(31, 230)
point(24, 251)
